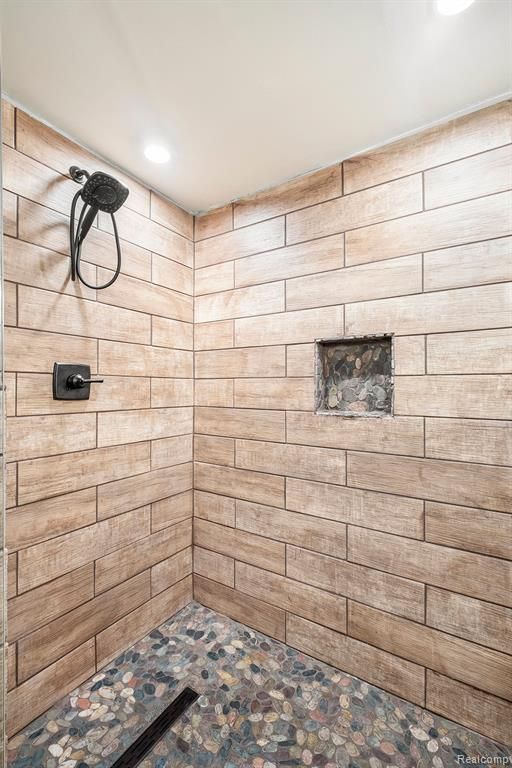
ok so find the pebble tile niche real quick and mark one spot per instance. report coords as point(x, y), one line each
point(354, 376)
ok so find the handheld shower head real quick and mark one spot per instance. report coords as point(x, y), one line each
point(100, 192)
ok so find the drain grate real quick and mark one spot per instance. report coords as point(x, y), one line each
point(156, 730)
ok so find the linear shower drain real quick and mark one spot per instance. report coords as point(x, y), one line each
point(154, 732)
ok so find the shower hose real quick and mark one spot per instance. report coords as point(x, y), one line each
point(76, 240)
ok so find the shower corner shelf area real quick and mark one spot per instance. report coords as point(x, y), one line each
point(354, 376)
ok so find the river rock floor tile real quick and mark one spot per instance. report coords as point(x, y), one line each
point(262, 705)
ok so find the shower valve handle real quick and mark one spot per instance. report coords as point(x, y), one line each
point(77, 381)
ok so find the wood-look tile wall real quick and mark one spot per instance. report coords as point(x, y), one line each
point(382, 547)
point(99, 519)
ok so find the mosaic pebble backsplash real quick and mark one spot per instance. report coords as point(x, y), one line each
point(262, 705)
point(354, 377)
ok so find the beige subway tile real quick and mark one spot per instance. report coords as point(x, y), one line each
point(478, 576)
point(214, 393)
point(116, 427)
point(172, 274)
point(476, 176)
point(50, 559)
point(174, 509)
point(455, 482)
point(218, 277)
point(216, 335)
point(214, 222)
point(303, 191)
point(33, 697)
point(242, 302)
point(169, 451)
point(141, 296)
point(473, 708)
point(36, 351)
point(258, 550)
point(34, 395)
point(476, 396)
point(248, 610)
point(217, 509)
point(171, 333)
point(41, 605)
point(302, 461)
point(33, 436)
point(11, 666)
point(320, 255)
point(470, 619)
point(290, 394)
point(289, 327)
point(460, 137)
point(458, 310)
point(10, 213)
point(240, 483)
point(397, 435)
point(141, 360)
point(168, 572)
point(10, 304)
point(138, 490)
point(410, 356)
point(12, 575)
point(28, 178)
point(457, 224)
point(489, 352)
point(378, 667)
point(119, 566)
point(388, 201)
point(242, 363)
point(50, 147)
point(7, 123)
point(43, 310)
point(53, 476)
point(214, 566)
point(394, 514)
point(121, 635)
point(171, 393)
point(11, 484)
point(396, 277)
point(477, 530)
point(149, 234)
point(42, 226)
point(292, 596)
point(481, 441)
point(41, 268)
point(49, 643)
point(170, 215)
point(214, 450)
point(366, 585)
point(241, 242)
point(241, 422)
point(10, 394)
point(489, 261)
point(304, 531)
point(470, 663)
point(46, 519)
point(300, 360)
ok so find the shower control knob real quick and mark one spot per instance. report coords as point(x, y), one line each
point(77, 381)
point(72, 381)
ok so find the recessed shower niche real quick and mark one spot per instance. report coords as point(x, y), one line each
point(354, 376)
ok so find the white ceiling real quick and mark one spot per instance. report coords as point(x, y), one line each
point(247, 93)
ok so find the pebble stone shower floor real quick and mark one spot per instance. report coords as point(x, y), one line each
point(262, 705)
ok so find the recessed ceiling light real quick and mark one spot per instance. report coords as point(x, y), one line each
point(157, 153)
point(451, 7)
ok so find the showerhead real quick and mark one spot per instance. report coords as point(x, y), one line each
point(104, 192)
point(100, 192)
